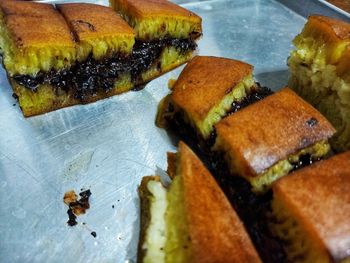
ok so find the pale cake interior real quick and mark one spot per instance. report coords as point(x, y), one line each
point(154, 241)
point(166, 238)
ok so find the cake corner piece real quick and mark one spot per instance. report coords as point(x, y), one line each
point(205, 91)
point(319, 72)
point(311, 211)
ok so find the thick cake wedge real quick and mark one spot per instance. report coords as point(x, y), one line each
point(192, 221)
point(320, 72)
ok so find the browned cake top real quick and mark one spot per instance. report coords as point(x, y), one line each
point(205, 81)
point(9, 7)
point(217, 234)
point(319, 198)
point(32, 31)
point(35, 24)
point(270, 130)
point(335, 29)
point(144, 9)
point(92, 21)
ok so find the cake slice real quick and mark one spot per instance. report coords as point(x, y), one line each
point(270, 138)
point(164, 30)
point(191, 221)
point(320, 72)
point(311, 210)
point(53, 63)
point(208, 89)
point(78, 53)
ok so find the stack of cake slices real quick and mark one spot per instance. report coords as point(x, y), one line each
point(261, 135)
point(57, 56)
point(270, 154)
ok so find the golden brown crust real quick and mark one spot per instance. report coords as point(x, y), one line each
point(26, 8)
point(145, 213)
point(91, 21)
point(319, 198)
point(144, 9)
point(43, 31)
point(205, 81)
point(336, 30)
point(216, 232)
point(270, 130)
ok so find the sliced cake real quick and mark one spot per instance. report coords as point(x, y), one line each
point(68, 54)
point(272, 137)
point(311, 211)
point(165, 34)
point(320, 72)
point(208, 89)
point(191, 221)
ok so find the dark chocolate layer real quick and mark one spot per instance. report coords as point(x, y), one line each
point(254, 210)
point(91, 76)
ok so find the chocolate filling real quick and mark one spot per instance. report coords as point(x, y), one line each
point(88, 78)
point(254, 210)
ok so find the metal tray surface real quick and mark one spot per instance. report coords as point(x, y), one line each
point(109, 145)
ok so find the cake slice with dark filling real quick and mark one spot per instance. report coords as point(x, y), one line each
point(166, 34)
point(311, 211)
point(320, 73)
point(79, 53)
point(190, 221)
point(207, 90)
point(53, 64)
point(272, 137)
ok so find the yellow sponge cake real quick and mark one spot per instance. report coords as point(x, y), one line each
point(320, 72)
point(270, 138)
point(68, 54)
point(311, 211)
point(191, 221)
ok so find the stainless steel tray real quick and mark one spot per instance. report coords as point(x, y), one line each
point(109, 145)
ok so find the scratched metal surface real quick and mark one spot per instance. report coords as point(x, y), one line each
point(109, 145)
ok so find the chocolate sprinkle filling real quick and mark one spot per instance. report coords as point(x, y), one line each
point(87, 78)
point(254, 210)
